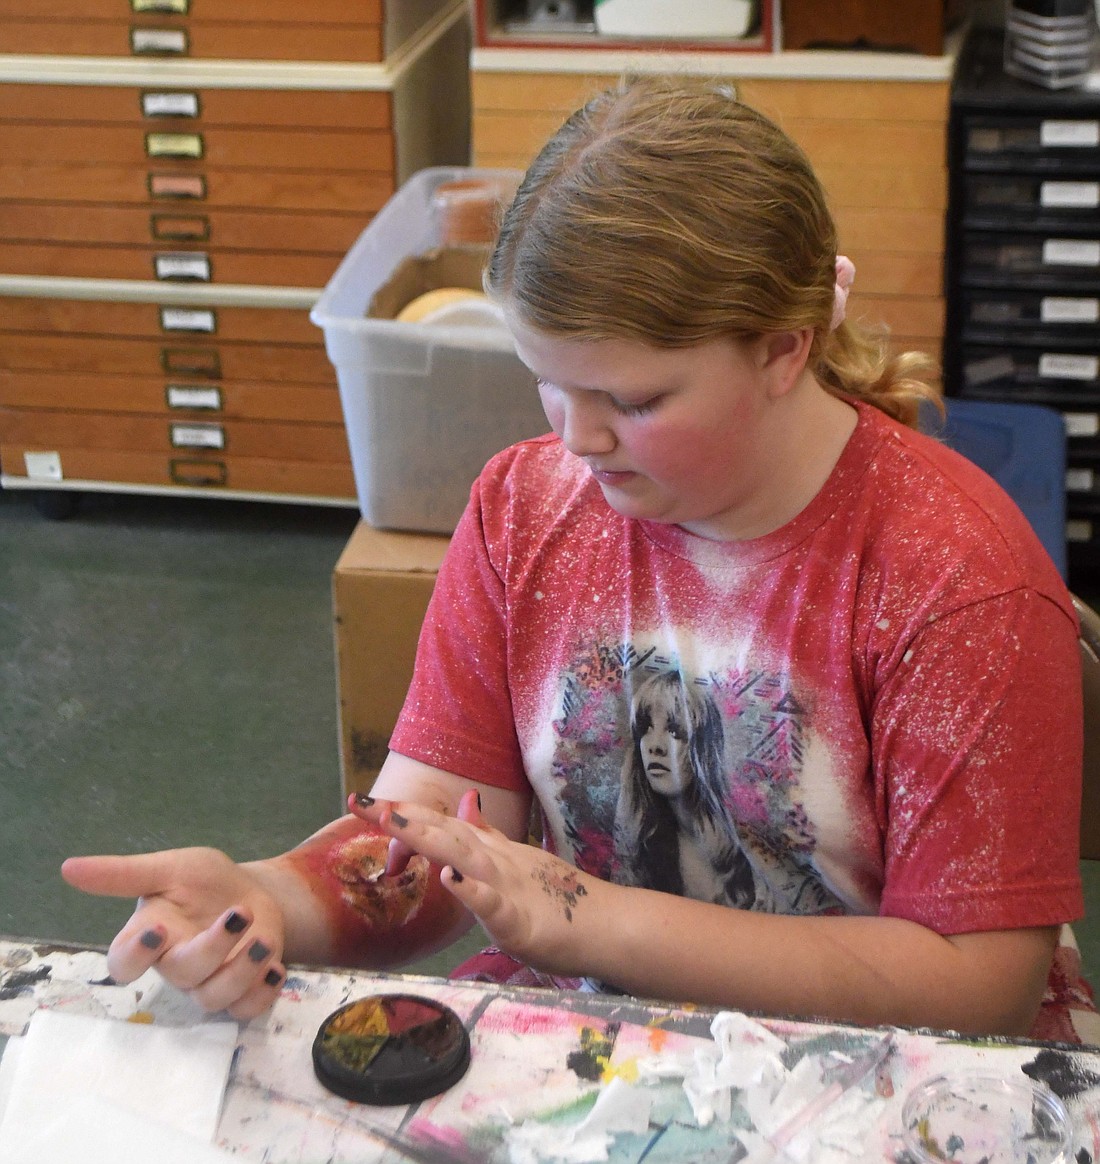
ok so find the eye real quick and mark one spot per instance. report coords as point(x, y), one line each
point(636, 407)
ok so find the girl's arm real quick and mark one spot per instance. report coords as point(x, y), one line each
point(866, 970)
point(224, 931)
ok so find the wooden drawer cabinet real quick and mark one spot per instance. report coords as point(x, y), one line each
point(177, 182)
point(194, 394)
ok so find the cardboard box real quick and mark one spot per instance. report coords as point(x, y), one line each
point(380, 591)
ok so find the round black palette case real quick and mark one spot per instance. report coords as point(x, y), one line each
point(391, 1049)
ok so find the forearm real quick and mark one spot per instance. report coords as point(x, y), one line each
point(865, 970)
point(340, 908)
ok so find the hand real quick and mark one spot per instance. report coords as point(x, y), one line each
point(530, 902)
point(205, 923)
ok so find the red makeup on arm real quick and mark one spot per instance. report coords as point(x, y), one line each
point(342, 908)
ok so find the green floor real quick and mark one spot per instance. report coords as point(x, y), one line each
point(166, 678)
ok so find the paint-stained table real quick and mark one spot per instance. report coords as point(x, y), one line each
point(540, 1060)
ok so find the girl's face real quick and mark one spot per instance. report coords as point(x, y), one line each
point(671, 435)
point(664, 747)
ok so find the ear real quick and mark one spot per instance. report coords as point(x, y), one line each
point(783, 356)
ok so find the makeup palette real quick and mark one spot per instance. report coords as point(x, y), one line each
point(391, 1049)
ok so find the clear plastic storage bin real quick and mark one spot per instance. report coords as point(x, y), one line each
point(425, 404)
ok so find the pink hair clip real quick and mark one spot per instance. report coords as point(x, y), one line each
point(845, 275)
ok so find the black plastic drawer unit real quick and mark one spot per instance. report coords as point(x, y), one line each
point(1023, 261)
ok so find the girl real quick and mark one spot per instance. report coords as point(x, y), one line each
point(732, 489)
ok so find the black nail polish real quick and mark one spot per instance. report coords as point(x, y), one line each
point(399, 820)
point(479, 802)
point(151, 940)
point(257, 952)
point(273, 977)
point(363, 800)
point(234, 923)
point(455, 875)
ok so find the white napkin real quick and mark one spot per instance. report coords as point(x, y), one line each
point(161, 1086)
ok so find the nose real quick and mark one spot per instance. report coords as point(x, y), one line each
point(582, 425)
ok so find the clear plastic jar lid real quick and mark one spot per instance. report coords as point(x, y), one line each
point(967, 1117)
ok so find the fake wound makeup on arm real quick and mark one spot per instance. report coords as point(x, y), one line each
point(374, 919)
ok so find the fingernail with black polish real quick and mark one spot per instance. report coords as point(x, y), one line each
point(273, 977)
point(478, 801)
point(151, 940)
point(455, 875)
point(257, 952)
point(363, 800)
point(234, 923)
point(399, 820)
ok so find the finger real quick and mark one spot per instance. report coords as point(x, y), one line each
point(138, 876)
point(469, 808)
point(491, 908)
point(189, 963)
point(440, 838)
point(137, 946)
point(255, 1001)
point(397, 857)
point(239, 977)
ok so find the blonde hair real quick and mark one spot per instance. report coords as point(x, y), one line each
point(668, 212)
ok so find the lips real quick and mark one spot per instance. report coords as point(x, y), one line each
point(611, 476)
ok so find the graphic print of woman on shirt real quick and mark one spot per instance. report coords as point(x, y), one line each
point(673, 830)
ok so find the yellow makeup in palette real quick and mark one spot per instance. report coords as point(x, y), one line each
point(391, 1049)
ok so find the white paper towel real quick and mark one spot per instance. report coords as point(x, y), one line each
point(169, 1081)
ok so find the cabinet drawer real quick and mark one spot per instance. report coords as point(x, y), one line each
point(226, 474)
point(174, 399)
point(164, 37)
point(169, 226)
point(156, 185)
point(1083, 479)
point(299, 441)
point(169, 265)
point(180, 360)
point(997, 200)
point(1043, 260)
point(250, 11)
point(226, 147)
point(998, 313)
point(203, 107)
point(331, 24)
point(1031, 142)
point(1055, 372)
point(97, 317)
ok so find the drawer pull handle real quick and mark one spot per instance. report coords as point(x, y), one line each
point(182, 266)
point(179, 227)
point(188, 319)
point(159, 42)
point(195, 472)
point(174, 145)
point(193, 397)
point(190, 186)
point(197, 436)
point(171, 7)
point(203, 362)
point(170, 105)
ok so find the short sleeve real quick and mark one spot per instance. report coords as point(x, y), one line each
point(977, 741)
point(458, 714)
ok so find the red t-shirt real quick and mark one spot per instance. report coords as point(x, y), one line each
point(875, 709)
